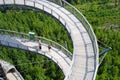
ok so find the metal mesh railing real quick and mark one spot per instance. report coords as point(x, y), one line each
point(83, 20)
point(78, 15)
point(74, 11)
point(37, 38)
point(86, 24)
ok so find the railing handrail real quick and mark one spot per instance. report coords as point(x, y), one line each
point(89, 29)
point(86, 25)
point(91, 34)
point(83, 24)
point(14, 33)
point(19, 47)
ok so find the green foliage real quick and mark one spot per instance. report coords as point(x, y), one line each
point(104, 15)
point(42, 25)
point(32, 66)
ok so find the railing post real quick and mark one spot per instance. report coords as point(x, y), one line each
point(73, 11)
point(60, 2)
point(27, 48)
point(63, 3)
point(7, 43)
point(66, 45)
point(51, 11)
point(65, 24)
point(44, 40)
point(22, 35)
point(43, 7)
point(17, 45)
point(4, 2)
point(59, 17)
point(0, 42)
point(14, 2)
point(24, 2)
point(34, 3)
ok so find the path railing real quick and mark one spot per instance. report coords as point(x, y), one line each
point(83, 20)
point(86, 24)
point(37, 38)
point(74, 11)
point(43, 7)
point(22, 47)
point(78, 15)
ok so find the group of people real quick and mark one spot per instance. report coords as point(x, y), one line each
point(40, 46)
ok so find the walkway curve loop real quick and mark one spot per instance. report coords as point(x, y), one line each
point(58, 53)
point(85, 55)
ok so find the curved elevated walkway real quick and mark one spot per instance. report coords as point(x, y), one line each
point(55, 54)
point(10, 71)
point(85, 56)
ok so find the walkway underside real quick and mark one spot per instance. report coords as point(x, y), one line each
point(84, 60)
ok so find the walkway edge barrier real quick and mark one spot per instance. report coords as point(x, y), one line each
point(86, 24)
point(37, 38)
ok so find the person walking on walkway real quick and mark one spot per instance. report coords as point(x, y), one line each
point(49, 47)
point(40, 47)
